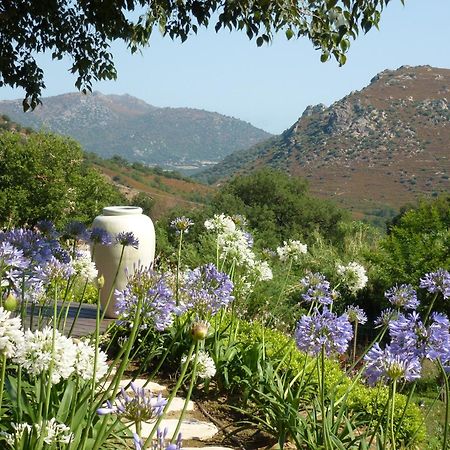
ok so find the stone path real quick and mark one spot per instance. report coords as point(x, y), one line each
point(193, 428)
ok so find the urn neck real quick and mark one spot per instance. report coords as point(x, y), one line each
point(122, 210)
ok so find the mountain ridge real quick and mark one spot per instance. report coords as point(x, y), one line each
point(387, 144)
point(129, 127)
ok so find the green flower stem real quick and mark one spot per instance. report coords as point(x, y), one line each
point(283, 289)
point(425, 319)
point(321, 378)
point(188, 395)
point(447, 406)
point(111, 291)
point(2, 379)
point(355, 336)
point(171, 396)
point(77, 314)
point(177, 292)
point(392, 415)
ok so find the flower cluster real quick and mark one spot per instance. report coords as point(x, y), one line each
point(151, 290)
point(438, 281)
point(317, 289)
point(206, 290)
point(323, 330)
point(83, 266)
point(54, 433)
point(356, 314)
point(235, 245)
point(127, 239)
point(139, 405)
point(205, 365)
point(159, 443)
point(403, 296)
point(41, 350)
point(10, 333)
point(353, 276)
point(291, 250)
point(181, 224)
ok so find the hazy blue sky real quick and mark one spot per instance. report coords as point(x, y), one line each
point(269, 86)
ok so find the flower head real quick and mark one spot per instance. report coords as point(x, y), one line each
point(356, 314)
point(85, 359)
point(385, 317)
point(181, 224)
point(137, 405)
point(100, 236)
point(10, 333)
point(438, 281)
point(291, 250)
point(152, 290)
point(353, 276)
point(84, 266)
point(220, 223)
point(323, 330)
point(388, 364)
point(127, 239)
point(403, 296)
point(206, 290)
point(54, 432)
point(205, 365)
point(76, 230)
point(318, 289)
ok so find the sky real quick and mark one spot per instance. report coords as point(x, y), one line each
point(269, 86)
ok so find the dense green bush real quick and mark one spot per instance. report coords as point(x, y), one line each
point(43, 176)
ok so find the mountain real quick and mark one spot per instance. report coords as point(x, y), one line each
point(383, 146)
point(174, 138)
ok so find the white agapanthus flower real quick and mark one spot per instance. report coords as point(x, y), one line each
point(54, 432)
point(262, 271)
point(84, 362)
point(19, 429)
point(220, 223)
point(234, 246)
point(34, 354)
point(291, 250)
point(205, 365)
point(83, 266)
point(353, 276)
point(11, 333)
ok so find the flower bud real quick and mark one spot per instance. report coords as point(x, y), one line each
point(199, 330)
point(100, 281)
point(10, 303)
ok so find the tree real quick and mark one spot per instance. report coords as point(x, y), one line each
point(84, 29)
point(43, 176)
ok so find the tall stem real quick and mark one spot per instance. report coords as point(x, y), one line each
point(111, 291)
point(177, 298)
point(171, 396)
point(2, 379)
point(188, 395)
point(392, 430)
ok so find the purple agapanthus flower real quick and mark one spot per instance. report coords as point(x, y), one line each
point(389, 364)
point(438, 281)
point(47, 228)
point(385, 317)
point(181, 224)
point(356, 314)
point(323, 330)
point(138, 405)
point(206, 290)
point(10, 256)
point(127, 239)
point(438, 347)
point(409, 335)
point(76, 230)
point(100, 236)
point(403, 296)
point(54, 271)
point(157, 301)
point(318, 289)
point(34, 245)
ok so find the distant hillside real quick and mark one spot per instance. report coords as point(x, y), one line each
point(176, 138)
point(385, 145)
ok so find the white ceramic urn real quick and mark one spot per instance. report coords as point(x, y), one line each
point(117, 219)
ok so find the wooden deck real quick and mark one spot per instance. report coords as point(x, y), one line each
point(84, 325)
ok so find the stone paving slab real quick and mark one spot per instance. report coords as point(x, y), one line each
point(154, 387)
point(190, 428)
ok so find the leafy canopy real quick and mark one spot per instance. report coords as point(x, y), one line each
point(84, 29)
point(43, 176)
